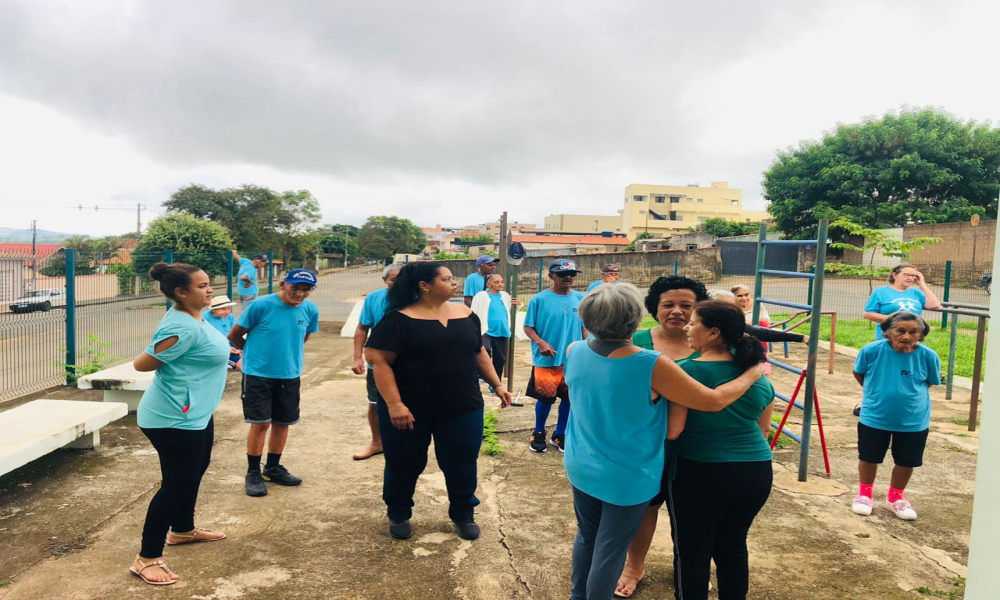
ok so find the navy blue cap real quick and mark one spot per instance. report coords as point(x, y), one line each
point(301, 276)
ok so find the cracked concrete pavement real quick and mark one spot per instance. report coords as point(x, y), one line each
point(70, 522)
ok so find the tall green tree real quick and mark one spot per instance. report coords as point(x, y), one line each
point(381, 237)
point(193, 240)
point(720, 227)
point(335, 243)
point(921, 166)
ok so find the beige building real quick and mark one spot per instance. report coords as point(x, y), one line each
point(663, 210)
point(584, 223)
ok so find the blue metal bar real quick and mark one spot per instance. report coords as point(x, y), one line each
point(788, 304)
point(229, 274)
point(70, 255)
point(786, 400)
point(799, 274)
point(814, 327)
point(270, 268)
point(788, 242)
point(758, 279)
point(790, 434)
point(782, 365)
point(785, 344)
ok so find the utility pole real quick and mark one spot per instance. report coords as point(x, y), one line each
point(34, 255)
point(138, 221)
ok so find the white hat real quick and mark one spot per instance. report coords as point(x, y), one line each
point(221, 302)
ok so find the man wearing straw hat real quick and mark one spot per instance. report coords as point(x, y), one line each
point(220, 316)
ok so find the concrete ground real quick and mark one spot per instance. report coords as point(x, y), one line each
point(70, 522)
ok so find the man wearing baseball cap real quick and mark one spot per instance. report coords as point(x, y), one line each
point(475, 283)
point(552, 324)
point(609, 274)
point(276, 326)
point(246, 278)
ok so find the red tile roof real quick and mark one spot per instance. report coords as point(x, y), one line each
point(595, 240)
point(24, 250)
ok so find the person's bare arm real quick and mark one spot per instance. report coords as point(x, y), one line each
point(874, 317)
point(930, 299)
point(145, 363)
point(385, 380)
point(485, 365)
point(671, 382)
point(236, 336)
point(860, 377)
point(468, 301)
point(307, 338)
point(676, 419)
point(543, 346)
point(360, 337)
point(764, 422)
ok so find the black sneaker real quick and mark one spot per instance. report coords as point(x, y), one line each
point(468, 530)
point(538, 442)
point(559, 441)
point(255, 484)
point(400, 530)
point(280, 475)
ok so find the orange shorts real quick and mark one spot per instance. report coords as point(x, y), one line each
point(547, 384)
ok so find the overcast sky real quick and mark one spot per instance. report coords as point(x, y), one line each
point(450, 112)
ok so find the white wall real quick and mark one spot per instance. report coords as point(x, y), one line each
point(984, 552)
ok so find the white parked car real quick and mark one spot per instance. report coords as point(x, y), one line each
point(39, 300)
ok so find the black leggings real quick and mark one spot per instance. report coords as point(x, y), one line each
point(184, 457)
point(496, 347)
point(714, 505)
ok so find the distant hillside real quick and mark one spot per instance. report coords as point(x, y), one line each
point(24, 235)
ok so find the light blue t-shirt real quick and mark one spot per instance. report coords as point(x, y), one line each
point(591, 287)
point(223, 325)
point(277, 332)
point(556, 320)
point(247, 268)
point(474, 284)
point(374, 308)
point(187, 388)
point(498, 320)
point(886, 301)
point(615, 432)
point(895, 393)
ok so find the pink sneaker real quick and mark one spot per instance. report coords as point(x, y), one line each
point(863, 506)
point(903, 510)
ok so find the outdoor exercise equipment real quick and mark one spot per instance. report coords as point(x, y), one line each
point(808, 375)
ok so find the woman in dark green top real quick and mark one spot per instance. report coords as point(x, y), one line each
point(722, 475)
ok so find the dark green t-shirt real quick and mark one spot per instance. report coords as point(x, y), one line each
point(732, 434)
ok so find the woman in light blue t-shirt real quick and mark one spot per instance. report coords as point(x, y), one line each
point(907, 292)
point(616, 431)
point(175, 413)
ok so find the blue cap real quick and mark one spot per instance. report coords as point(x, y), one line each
point(301, 276)
point(485, 260)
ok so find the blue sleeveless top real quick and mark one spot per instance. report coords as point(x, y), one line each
point(614, 440)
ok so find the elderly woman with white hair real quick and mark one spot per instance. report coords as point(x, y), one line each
point(616, 431)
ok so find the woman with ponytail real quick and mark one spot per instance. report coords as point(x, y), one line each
point(722, 476)
point(427, 355)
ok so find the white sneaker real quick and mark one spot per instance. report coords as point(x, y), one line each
point(863, 506)
point(903, 510)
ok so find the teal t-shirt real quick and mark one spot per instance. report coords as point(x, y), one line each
point(498, 320)
point(732, 434)
point(896, 394)
point(886, 300)
point(187, 388)
point(374, 307)
point(275, 337)
point(474, 284)
point(614, 438)
point(555, 318)
point(223, 325)
point(597, 283)
point(247, 268)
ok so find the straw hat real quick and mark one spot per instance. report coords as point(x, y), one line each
point(221, 302)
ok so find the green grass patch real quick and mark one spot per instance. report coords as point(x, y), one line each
point(963, 422)
point(956, 592)
point(491, 441)
point(856, 333)
point(784, 441)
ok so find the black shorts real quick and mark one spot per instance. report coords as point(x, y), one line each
point(907, 446)
point(267, 400)
point(373, 395)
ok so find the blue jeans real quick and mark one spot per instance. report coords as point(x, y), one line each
point(604, 531)
point(457, 440)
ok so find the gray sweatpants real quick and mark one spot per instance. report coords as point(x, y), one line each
point(604, 532)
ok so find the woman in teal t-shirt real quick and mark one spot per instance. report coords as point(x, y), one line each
point(175, 413)
point(907, 292)
point(722, 475)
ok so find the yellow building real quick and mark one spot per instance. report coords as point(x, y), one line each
point(584, 223)
point(663, 210)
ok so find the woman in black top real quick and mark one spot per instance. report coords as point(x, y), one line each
point(427, 355)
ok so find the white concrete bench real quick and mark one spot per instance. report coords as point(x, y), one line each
point(120, 384)
point(34, 429)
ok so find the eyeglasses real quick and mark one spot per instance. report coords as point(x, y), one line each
point(298, 292)
point(564, 275)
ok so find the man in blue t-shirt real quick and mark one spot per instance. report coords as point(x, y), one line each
point(609, 274)
point(246, 278)
point(552, 324)
point(276, 327)
point(475, 283)
point(372, 312)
